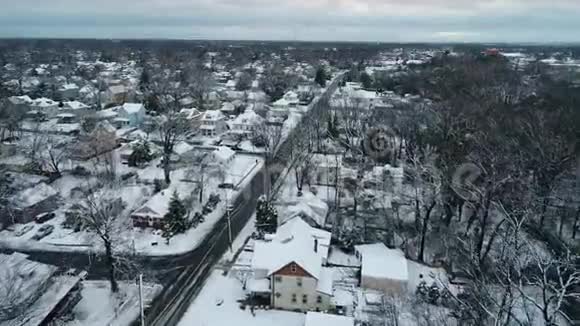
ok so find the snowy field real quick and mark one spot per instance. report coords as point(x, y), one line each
point(99, 307)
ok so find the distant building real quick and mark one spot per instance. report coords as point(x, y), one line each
point(130, 115)
point(117, 94)
point(69, 91)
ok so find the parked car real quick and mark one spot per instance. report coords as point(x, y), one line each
point(43, 231)
point(23, 230)
point(41, 218)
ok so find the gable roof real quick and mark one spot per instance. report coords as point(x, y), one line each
point(132, 108)
point(296, 239)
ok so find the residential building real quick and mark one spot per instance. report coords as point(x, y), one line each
point(27, 203)
point(213, 123)
point(383, 269)
point(117, 94)
point(246, 123)
point(288, 268)
point(35, 293)
point(131, 115)
point(69, 91)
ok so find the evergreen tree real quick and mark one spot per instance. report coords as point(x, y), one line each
point(434, 293)
point(175, 219)
point(141, 154)
point(366, 80)
point(321, 77)
point(266, 216)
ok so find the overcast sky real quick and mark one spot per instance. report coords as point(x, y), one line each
point(311, 20)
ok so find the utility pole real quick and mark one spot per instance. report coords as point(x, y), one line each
point(228, 212)
point(142, 310)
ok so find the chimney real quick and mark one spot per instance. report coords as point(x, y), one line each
point(315, 245)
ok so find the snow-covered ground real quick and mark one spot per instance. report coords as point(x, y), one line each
point(99, 306)
point(239, 171)
point(217, 305)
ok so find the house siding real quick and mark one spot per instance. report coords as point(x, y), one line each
point(287, 284)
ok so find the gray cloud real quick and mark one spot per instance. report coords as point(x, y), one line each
point(350, 20)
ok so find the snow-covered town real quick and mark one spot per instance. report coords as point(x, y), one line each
point(241, 183)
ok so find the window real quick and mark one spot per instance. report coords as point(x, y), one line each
point(293, 268)
point(278, 279)
point(294, 297)
point(299, 281)
point(318, 299)
point(278, 294)
point(304, 298)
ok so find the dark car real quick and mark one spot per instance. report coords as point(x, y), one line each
point(43, 231)
point(41, 218)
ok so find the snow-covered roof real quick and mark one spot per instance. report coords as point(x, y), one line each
point(75, 105)
point(296, 240)
point(44, 102)
point(227, 106)
point(107, 113)
point(223, 154)
point(380, 262)
point(24, 99)
point(182, 148)
point(322, 319)
point(249, 117)
point(213, 115)
point(68, 87)
point(310, 206)
point(281, 102)
point(117, 89)
point(34, 195)
point(133, 108)
point(190, 114)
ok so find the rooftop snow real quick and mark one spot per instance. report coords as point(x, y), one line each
point(381, 262)
point(132, 108)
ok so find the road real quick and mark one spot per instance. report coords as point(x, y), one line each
point(173, 302)
point(183, 275)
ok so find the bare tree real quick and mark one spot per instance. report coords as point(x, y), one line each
point(54, 155)
point(172, 128)
point(557, 280)
point(200, 82)
point(103, 216)
point(427, 183)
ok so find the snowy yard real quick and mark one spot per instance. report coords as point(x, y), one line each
point(98, 307)
point(217, 305)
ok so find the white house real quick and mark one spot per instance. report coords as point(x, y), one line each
point(383, 269)
point(213, 123)
point(292, 98)
point(288, 268)
point(133, 114)
point(247, 122)
point(116, 94)
point(321, 319)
